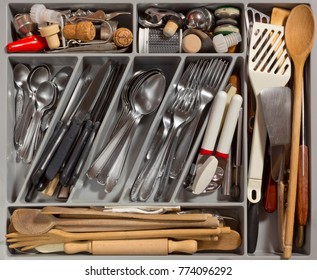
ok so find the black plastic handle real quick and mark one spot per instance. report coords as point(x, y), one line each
point(49, 151)
point(75, 154)
point(81, 161)
point(253, 226)
point(64, 148)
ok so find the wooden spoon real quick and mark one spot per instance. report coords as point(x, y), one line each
point(299, 38)
point(32, 221)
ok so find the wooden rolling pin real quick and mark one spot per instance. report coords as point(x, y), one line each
point(162, 246)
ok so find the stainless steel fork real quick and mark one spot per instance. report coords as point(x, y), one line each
point(208, 88)
point(183, 111)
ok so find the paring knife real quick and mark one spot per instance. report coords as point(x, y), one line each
point(82, 114)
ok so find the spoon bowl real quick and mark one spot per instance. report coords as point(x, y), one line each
point(45, 95)
point(144, 101)
point(61, 78)
point(20, 75)
point(37, 76)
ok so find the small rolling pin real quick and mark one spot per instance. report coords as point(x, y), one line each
point(162, 246)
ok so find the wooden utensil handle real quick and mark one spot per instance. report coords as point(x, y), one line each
point(161, 246)
point(302, 188)
point(292, 188)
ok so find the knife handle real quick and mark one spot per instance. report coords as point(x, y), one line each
point(270, 194)
point(64, 148)
point(302, 188)
point(81, 161)
point(161, 246)
point(75, 154)
point(253, 226)
point(48, 152)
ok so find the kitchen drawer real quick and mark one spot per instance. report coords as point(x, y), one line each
point(15, 175)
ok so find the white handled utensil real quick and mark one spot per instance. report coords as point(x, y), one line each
point(269, 66)
point(212, 166)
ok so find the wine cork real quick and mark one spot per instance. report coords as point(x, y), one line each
point(170, 28)
point(122, 37)
point(84, 31)
point(50, 33)
point(191, 43)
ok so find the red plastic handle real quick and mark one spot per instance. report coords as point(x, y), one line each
point(33, 43)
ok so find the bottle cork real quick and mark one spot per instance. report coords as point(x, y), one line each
point(191, 43)
point(122, 37)
point(171, 26)
point(84, 31)
point(50, 33)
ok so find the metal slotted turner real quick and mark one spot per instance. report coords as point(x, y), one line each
point(268, 66)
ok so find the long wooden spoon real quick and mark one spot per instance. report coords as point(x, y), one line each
point(299, 38)
point(32, 221)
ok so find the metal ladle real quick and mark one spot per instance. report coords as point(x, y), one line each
point(44, 99)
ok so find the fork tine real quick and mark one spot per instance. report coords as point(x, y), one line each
point(187, 72)
point(221, 74)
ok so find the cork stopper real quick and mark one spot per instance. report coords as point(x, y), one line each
point(191, 43)
point(122, 37)
point(84, 31)
point(50, 33)
point(170, 28)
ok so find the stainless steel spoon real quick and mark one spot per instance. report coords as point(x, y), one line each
point(38, 75)
point(20, 75)
point(143, 102)
point(44, 98)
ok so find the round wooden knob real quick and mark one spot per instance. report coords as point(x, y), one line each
point(123, 37)
point(191, 43)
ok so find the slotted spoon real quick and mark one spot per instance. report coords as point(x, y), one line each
point(269, 66)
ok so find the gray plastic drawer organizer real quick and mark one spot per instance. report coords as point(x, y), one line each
point(163, 66)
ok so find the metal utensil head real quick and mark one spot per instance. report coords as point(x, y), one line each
point(277, 107)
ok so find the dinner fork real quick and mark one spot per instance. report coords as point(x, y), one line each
point(183, 112)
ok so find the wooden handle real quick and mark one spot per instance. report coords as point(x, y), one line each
point(281, 214)
point(142, 234)
point(161, 246)
point(270, 195)
point(292, 188)
point(302, 188)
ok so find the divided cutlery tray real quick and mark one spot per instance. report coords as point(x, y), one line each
point(15, 175)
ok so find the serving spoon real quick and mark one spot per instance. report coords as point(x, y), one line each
point(299, 38)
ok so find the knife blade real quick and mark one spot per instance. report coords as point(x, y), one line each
point(82, 114)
